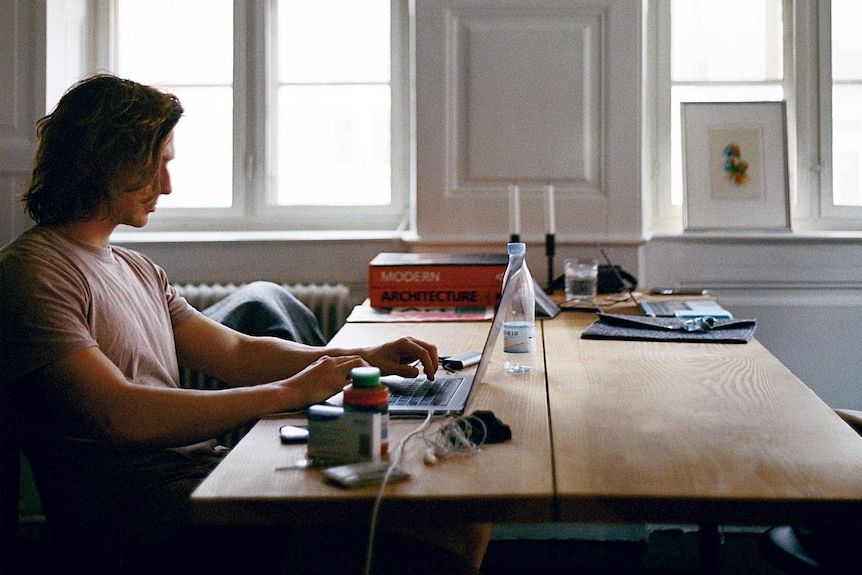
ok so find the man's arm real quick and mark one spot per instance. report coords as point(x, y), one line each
point(241, 360)
point(117, 411)
point(238, 359)
point(274, 375)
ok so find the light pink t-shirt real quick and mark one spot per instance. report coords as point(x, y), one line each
point(61, 295)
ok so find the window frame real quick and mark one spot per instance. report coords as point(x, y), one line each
point(847, 217)
point(254, 127)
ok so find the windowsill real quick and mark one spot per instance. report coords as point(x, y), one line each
point(778, 236)
point(259, 236)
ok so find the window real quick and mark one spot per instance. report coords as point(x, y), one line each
point(846, 45)
point(718, 56)
point(744, 50)
point(333, 109)
point(198, 68)
point(296, 112)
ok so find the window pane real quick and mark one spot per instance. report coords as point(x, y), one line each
point(846, 96)
point(334, 145)
point(157, 45)
point(175, 42)
point(846, 145)
point(846, 40)
point(733, 40)
point(334, 103)
point(201, 171)
point(333, 41)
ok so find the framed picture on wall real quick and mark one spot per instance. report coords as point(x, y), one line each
point(735, 166)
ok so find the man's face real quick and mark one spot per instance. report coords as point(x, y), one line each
point(134, 208)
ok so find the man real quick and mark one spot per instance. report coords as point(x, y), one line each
point(93, 336)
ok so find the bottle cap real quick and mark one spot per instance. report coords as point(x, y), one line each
point(517, 248)
point(365, 376)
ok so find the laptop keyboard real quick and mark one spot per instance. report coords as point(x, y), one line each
point(421, 392)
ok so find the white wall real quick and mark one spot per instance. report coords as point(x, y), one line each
point(805, 290)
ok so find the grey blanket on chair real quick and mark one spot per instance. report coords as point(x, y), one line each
point(266, 308)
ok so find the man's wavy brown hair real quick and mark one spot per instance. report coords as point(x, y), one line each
point(105, 133)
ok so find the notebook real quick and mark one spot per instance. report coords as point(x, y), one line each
point(671, 308)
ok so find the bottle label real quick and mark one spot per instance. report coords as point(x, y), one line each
point(519, 337)
point(371, 403)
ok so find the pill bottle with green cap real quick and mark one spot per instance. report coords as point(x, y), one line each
point(366, 395)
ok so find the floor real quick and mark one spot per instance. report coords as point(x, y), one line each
point(666, 552)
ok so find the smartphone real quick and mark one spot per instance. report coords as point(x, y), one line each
point(363, 473)
point(293, 434)
point(678, 291)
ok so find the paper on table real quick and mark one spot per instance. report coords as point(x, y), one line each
point(366, 314)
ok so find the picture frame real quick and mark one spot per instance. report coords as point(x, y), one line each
point(735, 166)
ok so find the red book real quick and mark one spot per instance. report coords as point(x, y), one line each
point(436, 279)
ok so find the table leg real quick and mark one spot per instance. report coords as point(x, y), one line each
point(709, 545)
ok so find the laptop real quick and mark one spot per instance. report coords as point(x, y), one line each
point(682, 309)
point(447, 393)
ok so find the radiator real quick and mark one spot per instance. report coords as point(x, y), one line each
point(329, 303)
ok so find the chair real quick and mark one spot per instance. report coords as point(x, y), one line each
point(10, 491)
point(789, 548)
point(782, 547)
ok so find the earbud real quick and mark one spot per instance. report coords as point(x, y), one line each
point(430, 458)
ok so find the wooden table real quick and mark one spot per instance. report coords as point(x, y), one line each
point(619, 432)
point(692, 433)
point(505, 482)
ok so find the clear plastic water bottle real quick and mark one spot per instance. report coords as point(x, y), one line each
point(519, 318)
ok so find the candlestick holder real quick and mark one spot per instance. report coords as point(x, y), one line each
point(550, 249)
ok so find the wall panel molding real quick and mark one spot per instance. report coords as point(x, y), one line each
point(535, 92)
point(525, 99)
point(22, 92)
point(22, 67)
point(756, 262)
